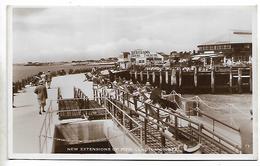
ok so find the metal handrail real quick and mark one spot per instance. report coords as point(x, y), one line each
point(123, 111)
point(190, 121)
point(222, 139)
point(219, 145)
point(49, 111)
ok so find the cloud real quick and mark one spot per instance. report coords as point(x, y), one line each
point(114, 48)
point(68, 33)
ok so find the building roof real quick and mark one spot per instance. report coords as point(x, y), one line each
point(231, 38)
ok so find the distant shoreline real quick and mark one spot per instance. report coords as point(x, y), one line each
point(20, 71)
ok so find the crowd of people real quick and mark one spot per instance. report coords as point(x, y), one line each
point(143, 92)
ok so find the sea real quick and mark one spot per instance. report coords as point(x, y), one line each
point(20, 71)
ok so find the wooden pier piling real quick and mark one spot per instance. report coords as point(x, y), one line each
point(153, 76)
point(160, 78)
point(141, 76)
point(180, 77)
point(173, 77)
point(166, 77)
point(136, 75)
point(250, 79)
point(233, 80)
point(230, 80)
point(239, 80)
point(213, 80)
point(147, 76)
point(196, 77)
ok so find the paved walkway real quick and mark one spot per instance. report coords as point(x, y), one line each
point(26, 119)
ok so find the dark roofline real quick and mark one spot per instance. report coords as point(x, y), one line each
point(210, 44)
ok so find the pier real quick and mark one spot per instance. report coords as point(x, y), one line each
point(149, 127)
point(122, 120)
point(217, 80)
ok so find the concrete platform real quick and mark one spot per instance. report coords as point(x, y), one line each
point(26, 119)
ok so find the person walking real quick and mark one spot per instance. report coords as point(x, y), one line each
point(48, 79)
point(43, 77)
point(41, 92)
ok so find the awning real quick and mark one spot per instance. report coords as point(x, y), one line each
point(196, 58)
point(104, 72)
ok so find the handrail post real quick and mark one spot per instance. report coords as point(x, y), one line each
point(145, 124)
point(158, 117)
point(105, 105)
point(213, 127)
point(250, 79)
point(141, 135)
point(163, 141)
point(176, 127)
point(135, 102)
point(94, 92)
point(128, 104)
point(100, 99)
point(200, 131)
point(118, 94)
point(123, 98)
point(123, 119)
point(127, 99)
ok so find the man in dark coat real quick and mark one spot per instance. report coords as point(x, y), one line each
point(156, 95)
point(41, 92)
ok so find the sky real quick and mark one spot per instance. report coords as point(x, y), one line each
point(81, 33)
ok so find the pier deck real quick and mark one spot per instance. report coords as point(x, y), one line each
point(25, 118)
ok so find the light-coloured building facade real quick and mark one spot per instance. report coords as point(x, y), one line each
point(124, 62)
point(145, 57)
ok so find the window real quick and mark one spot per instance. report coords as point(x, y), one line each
point(228, 46)
point(141, 61)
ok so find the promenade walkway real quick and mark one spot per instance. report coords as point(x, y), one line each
point(26, 119)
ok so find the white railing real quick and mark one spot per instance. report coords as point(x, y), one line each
point(46, 131)
point(46, 136)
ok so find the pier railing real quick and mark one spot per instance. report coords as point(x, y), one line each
point(112, 111)
point(180, 125)
point(143, 121)
point(46, 131)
